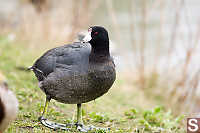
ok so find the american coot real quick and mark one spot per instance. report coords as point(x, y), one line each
point(8, 105)
point(76, 73)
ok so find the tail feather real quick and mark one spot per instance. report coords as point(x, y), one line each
point(30, 68)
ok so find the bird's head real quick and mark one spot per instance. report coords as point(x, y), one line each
point(97, 35)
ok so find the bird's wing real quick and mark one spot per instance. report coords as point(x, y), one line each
point(66, 57)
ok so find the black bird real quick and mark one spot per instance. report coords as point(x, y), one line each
point(76, 73)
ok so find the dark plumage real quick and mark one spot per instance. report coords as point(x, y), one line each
point(68, 75)
point(79, 72)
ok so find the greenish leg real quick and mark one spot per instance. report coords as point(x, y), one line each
point(79, 114)
point(51, 124)
point(80, 126)
point(45, 107)
point(79, 123)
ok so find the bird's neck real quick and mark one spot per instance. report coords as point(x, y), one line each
point(99, 52)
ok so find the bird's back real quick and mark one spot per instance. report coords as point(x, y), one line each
point(72, 57)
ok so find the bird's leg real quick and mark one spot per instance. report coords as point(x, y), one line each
point(46, 106)
point(81, 127)
point(79, 114)
point(51, 124)
point(79, 123)
point(45, 109)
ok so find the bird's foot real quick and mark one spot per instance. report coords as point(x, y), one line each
point(83, 128)
point(60, 126)
point(54, 125)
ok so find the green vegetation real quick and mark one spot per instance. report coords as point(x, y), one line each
point(122, 110)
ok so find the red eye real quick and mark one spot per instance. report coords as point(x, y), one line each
point(95, 33)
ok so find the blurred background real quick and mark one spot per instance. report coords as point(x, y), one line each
point(155, 44)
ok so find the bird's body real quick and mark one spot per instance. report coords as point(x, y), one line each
point(76, 73)
point(67, 75)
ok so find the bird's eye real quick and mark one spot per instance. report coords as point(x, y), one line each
point(95, 33)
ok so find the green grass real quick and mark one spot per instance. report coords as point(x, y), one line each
point(123, 110)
